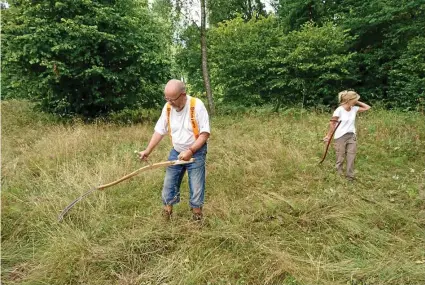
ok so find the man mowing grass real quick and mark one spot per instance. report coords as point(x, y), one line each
point(186, 120)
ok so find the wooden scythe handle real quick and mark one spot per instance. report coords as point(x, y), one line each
point(101, 187)
point(329, 142)
point(152, 166)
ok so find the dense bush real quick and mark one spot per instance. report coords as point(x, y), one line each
point(311, 50)
point(408, 77)
point(84, 57)
point(239, 57)
point(311, 65)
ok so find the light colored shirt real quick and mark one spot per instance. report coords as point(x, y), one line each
point(181, 127)
point(348, 120)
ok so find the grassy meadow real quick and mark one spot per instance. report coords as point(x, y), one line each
point(272, 214)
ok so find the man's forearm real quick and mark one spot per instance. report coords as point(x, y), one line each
point(202, 139)
point(156, 138)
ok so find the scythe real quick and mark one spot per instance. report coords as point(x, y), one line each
point(102, 187)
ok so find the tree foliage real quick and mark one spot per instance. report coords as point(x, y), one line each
point(84, 57)
point(188, 57)
point(239, 55)
point(407, 78)
point(382, 30)
point(93, 57)
point(314, 49)
point(255, 62)
point(310, 65)
point(223, 10)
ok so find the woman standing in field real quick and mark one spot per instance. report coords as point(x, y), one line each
point(345, 134)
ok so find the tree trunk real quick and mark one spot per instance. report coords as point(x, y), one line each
point(205, 73)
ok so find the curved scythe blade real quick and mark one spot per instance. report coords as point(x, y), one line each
point(101, 187)
point(63, 213)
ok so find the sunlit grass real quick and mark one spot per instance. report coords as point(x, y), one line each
point(273, 216)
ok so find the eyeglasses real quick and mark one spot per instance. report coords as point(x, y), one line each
point(173, 100)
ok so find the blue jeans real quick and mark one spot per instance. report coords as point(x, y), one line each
point(174, 176)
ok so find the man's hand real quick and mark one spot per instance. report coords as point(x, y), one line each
point(185, 155)
point(143, 155)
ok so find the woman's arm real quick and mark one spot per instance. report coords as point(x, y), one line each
point(332, 126)
point(363, 107)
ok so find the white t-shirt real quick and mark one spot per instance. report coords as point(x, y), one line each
point(181, 127)
point(348, 120)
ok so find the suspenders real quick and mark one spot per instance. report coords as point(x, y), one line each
point(195, 126)
point(193, 121)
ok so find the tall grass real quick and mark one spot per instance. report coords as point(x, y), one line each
point(273, 216)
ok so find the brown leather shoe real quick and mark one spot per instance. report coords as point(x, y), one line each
point(167, 215)
point(197, 216)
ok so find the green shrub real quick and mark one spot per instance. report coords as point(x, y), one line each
point(84, 57)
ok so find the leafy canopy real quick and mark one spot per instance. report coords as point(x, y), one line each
point(84, 57)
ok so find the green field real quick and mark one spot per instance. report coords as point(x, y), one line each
point(272, 215)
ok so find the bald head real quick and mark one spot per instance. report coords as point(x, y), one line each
point(174, 88)
point(175, 94)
